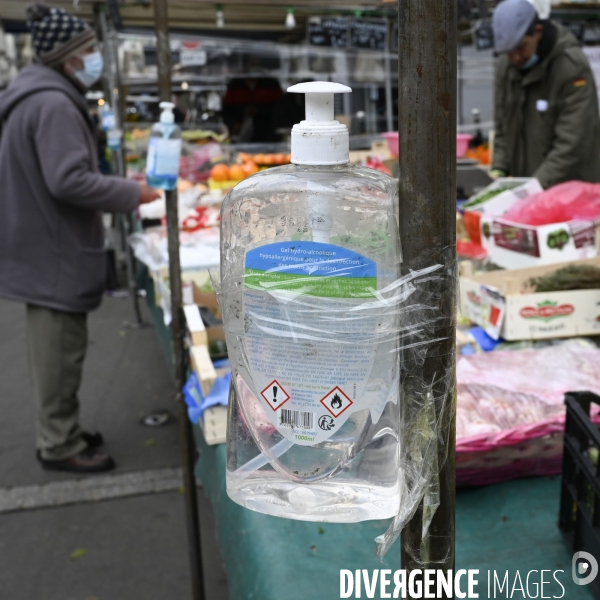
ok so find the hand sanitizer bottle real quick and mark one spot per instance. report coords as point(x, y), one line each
point(107, 117)
point(164, 150)
point(309, 256)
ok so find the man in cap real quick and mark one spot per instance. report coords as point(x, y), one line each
point(547, 121)
point(52, 255)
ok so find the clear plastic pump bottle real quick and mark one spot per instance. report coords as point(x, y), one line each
point(164, 150)
point(308, 253)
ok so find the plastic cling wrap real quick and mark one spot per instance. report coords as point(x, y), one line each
point(428, 391)
point(317, 362)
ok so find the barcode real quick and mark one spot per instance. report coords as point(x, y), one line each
point(296, 418)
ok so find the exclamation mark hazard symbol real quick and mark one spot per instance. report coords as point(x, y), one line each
point(275, 395)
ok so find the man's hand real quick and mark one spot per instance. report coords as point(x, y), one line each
point(148, 194)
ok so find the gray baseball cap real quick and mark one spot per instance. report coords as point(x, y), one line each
point(512, 19)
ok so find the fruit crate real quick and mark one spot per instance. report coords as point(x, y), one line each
point(579, 518)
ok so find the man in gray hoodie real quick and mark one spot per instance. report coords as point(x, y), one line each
point(52, 255)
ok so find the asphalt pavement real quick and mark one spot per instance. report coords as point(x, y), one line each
point(117, 536)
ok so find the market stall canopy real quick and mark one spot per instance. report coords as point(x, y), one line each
point(257, 15)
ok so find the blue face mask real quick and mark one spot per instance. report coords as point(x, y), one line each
point(93, 65)
point(534, 60)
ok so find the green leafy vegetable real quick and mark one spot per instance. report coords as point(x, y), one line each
point(573, 277)
point(485, 197)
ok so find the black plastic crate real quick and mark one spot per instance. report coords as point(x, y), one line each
point(580, 491)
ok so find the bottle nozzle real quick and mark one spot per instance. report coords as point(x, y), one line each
point(319, 98)
point(167, 115)
point(320, 139)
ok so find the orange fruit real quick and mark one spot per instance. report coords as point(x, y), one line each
point(269, 159)
point(259, 159)
point(220, 172)
point(244, 157)
point(237, 173)
point(250, 168)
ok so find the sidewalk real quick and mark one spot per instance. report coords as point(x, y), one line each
point(107, 537)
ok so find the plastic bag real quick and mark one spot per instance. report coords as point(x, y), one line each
point(571, 201)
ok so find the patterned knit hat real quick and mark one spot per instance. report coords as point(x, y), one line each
point(57, 35)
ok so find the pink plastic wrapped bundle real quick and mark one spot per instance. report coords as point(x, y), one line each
point(571, 201)
point(511, 409)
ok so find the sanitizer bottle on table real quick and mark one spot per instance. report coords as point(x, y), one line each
point(309, 256)
point(164, 151)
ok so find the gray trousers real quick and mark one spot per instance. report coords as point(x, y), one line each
point(56, 344)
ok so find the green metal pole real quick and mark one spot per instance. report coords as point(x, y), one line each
point(427, 55)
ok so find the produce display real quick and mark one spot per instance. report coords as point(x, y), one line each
point(573, 277)
point(479, 200)
point(266, 160)
point(201, 136)
point(481, 154)
point(197, 136)
point(224, 176)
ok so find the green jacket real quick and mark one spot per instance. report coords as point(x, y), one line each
point(547, 121)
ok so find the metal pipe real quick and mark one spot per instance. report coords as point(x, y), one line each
point(389, 108)
point(484, 11)
point(113, 92)
point(427, 55)
point(163, 53)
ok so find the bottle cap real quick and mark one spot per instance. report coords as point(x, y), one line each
point(167, 116)
point(320, 139)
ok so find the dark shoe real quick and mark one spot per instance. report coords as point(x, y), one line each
point(93, 440)
point(88, 461)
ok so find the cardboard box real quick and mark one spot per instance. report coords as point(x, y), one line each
point(214, 420)
point(519, 188)
point(200, 334)
point(214, 425)
point(192, 283)
point(496, 302)
point(379, 148)
point(195, 325)
point(202, 297)
point(514, 245)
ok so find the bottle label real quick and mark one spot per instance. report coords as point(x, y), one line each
point(310, 337)
point(163, 158)
point(109, 121)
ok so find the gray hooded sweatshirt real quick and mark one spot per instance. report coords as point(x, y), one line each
point(52, 195)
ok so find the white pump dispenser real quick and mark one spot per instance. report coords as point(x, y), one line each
point(320, 139)
point(167, 115)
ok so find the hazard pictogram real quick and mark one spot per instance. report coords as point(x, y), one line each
point(275, 395)
point(336, 402)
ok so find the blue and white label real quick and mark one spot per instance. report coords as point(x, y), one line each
point(163, 158)
point(310, 258)
point(311, 336)
point(311, 268)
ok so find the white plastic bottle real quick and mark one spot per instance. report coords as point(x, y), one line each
point(309, 256)
point(164, 150)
